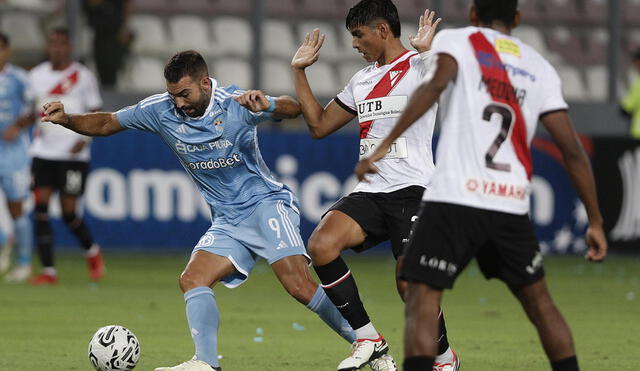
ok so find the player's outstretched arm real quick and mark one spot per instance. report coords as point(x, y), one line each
point(92, 124)
point(320, 121)
point(421, 100)
point(422, 40)
point(282, 107)
point(577, 162)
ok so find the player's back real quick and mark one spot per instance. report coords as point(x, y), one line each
point(14, 102)
point(490, 112)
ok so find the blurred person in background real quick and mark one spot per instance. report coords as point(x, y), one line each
point(61, 156)
point(109, 20)
point(631, 103)
point(492, 90)
point(213, 132)
point(15, 120)
point(384, 207)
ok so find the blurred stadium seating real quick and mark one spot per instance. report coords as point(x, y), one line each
point(572, 34)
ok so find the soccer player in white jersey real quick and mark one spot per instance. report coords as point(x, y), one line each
point(213, 132)
point(497, 88)
point(384, 208)
point(60, 156)
point(15, 119)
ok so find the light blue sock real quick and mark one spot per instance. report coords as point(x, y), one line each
point(24, 239)
point(3, 238)
point(204, 319)
point(324, 308)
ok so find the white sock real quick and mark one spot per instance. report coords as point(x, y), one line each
point(49, 271)
point(93, 251)
point(446, 357)
point(367, 332)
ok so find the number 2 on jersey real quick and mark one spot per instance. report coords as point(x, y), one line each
point(506, 114)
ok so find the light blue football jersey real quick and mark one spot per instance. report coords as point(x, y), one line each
point(15, 100)
point(219, 150)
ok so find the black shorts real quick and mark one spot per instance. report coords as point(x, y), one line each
point(383, 216)
point(446, 237)
point(67, 177)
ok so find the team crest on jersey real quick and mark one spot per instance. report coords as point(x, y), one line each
point(217, 121)
point(393, 76)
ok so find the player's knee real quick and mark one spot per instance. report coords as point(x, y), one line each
point(70, 219)
point(189, 280)
point(401, 286)
point(300, 291)
point(321, 245)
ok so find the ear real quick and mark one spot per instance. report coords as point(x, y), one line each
point(384, 30)
point(205, 82)
point(473, 16)
point(517, 19)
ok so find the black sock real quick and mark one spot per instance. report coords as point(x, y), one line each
point(567, 364)
point(79, 229)
point(443, 341)
point(341, 288)
point(421, 363)
point(44, 239)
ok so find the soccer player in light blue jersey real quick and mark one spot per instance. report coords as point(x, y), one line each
point(15, 119)
point(213, 132)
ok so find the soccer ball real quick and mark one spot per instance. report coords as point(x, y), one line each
point(114, 348)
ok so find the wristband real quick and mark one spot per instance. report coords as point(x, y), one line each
point(272, 106)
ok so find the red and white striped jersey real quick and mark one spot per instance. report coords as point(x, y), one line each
point(378, 96)
point(489, 115)
point(77, 88)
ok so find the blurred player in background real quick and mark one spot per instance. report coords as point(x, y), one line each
point(497, 88)
point(15, 119)
point(60, 156)
point(213, 132)
point(384, 207)
point(631, 103)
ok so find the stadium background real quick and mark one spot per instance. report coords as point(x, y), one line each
point(146, 214)
point(138, 196)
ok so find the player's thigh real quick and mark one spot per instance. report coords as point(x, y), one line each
point(45, 176)
point(513, 253)
point(443, 241)
point(337, 231)
point(294, 275)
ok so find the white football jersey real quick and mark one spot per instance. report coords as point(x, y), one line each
point(378, 96)
point(483, 156)
point(76, 87)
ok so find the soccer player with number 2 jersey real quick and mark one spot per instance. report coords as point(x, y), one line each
point(493, 89)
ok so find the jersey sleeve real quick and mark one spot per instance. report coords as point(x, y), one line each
point(92, 91)
point(448, 42)
point(141, 116)
point(552, 99)
point(345, 98)
point(251, 118)
point(28, 96)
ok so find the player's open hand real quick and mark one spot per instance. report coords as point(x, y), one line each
point(54, 112)
point(426, 31)
point(309, 52)
point(597, 243)
point(364, 167)
point(253, 100)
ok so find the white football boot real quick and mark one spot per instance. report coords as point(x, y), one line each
point(450, 365)
point(364, 351)
point(383, 363)
point(191, 365)
point(18, 274)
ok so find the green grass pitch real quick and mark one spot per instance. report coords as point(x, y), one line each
point(48, 328)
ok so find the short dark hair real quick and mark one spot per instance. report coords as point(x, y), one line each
point(367, 11)
point(496, 10)
point(186, 63)
point(61, 31)
point(4, 38)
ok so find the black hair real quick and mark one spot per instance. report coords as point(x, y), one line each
point(61, 31)
point(367, 11)
point(4, 38)
point(496, 10)
point(186, 63)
